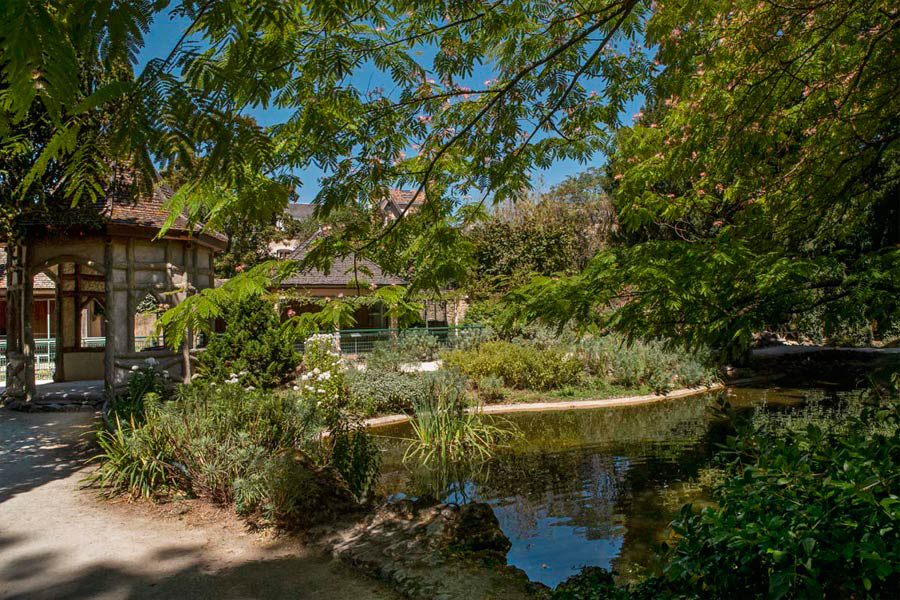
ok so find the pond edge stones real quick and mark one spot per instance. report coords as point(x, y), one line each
point(433, 551)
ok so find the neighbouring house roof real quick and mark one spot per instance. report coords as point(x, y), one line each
point(41, 280)
point(299, 211)
point(398, 200)
point(341, 272)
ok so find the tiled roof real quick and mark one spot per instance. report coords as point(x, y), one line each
point(41, 281)
point(341, 272)
point(120, 207)
point(300, 211)
point(398, 200)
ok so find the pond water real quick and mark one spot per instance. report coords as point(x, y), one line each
point(590, 487)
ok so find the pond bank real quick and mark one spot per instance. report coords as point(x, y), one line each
point(498, 409)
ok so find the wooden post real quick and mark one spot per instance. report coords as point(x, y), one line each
point(189, 254)
point(13, 318)
point(59, 374)
point(27, 312)
point(109, 353)
point(129, 277)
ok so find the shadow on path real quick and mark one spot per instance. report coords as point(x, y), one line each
point(180, 572)
point(37, 448)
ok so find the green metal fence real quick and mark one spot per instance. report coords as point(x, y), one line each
point(353, 341)
point(361, 341)
point(45, 349)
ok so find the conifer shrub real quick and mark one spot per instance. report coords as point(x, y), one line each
point(254, 349)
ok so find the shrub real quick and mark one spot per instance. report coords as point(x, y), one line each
point(263, 451)
point(417, 345)
point(490, 389)
point(385, 392)
point(132, 461)
point(144, 382)
point(409, 347)
point(804, 513)
point(254, 349)
point(519, 366)
point(808, 514)
point(384, 357)
point(651, 363)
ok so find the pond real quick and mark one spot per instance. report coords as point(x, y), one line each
point(593, 487)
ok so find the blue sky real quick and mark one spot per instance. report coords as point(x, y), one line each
point(165, 32)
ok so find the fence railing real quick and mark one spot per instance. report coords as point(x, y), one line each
point(353, 341)
point(45, 349)
point(361, 341)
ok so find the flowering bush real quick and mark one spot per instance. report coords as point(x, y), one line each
point(324, 381)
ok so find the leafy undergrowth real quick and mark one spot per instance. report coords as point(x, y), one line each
point(810, 513)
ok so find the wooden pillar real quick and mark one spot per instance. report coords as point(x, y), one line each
point(77, 302)
point(13, 300)
point(59, 374)
point(129, 278)
point(189, 256)
point(109, 353)
point(27, 312)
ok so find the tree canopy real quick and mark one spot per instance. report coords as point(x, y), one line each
point(759, 182)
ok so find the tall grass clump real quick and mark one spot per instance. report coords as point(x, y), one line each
point(447, 429)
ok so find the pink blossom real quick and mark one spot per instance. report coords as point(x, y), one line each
point(239, 268)
point(291, 313)
point(618, 176)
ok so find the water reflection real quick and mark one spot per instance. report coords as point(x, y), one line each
point(586, 487)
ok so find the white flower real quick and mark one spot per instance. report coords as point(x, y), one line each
point(316, 371)
point(195, 376)
point(135, 368)
point(296, 388)
point(150, 361)
point(320, 390)
point(326, 375)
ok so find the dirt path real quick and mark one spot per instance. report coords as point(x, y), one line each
point(58, 541)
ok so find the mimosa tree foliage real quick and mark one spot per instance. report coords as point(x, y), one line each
point(760, 184)
point(764, 184)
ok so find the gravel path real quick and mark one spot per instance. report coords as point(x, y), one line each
point(61, 542)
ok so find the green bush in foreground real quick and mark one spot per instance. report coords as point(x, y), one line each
point(520, 366)
point(806, 514)
point(260, 450)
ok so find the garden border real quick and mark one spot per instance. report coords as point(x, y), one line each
point(496, 409)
